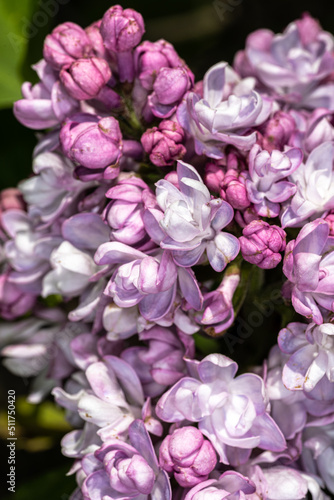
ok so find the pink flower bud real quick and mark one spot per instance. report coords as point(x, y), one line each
point(214, 176)
point(84, 78)
point(235, 190)
point(92, 142)
point(278, 131)
point(65, 44)
point(121, 30)
point(163, 143)
point(261, 244)
point(188, 455)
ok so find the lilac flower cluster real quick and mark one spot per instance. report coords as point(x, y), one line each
point(154, 201)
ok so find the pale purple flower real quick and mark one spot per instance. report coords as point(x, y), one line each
point(45, 104)
point(93, 143)
point(85, 78)
point(309, 266)
point(121, 322)
point(314, 182)
point(267, 185)
point(147, 280)
point(318, 453)
point(28, 251)
point(262, 243)
point(231, 485)
point(71, 271)
point(218, 313)
point(13, 301)
point(66, 43)
point(161, 363)
point(226, 113)
point(310, 350)
point(126, 471)
point(312, 129)
point(124, 213)
point(187, 455)
point(192, 221)
point(163, 143)
point(282, 483)
point(53, 189)
point(231, 412)
point(292, 66)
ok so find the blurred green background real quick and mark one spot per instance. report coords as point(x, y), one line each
point(203, 32)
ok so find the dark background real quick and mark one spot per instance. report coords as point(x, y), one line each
point(203, 33)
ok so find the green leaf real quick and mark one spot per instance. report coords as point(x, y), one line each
point(15, 31)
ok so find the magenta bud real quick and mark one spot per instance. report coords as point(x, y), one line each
point(235, 190)
point(162, 143)
point(330, 220)
point(188, 455)
point(214, 176)
point(94, 34)
point(84, 78)
point(278, 131)
point(92, 142)
point(262, 243)
point(121, 30)
point(65, 44)
point(308, 29)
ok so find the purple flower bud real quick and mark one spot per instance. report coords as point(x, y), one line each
point(121, 30)
point(235, 191)
point(94, 35)
point(84, 78)
point(214, 176)
point(188, 455)
point(278, 131)
point(261, 244)
point(92, 142)
point(10, 198)
point(124, 213)
point(330, 220)
point(168, 89)
point(162, 143)
point(65, 44)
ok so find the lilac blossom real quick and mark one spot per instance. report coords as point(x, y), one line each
point(163, 143)
point(308, 265)
point(187, 455)
point(218, 313)
point(149, 281)
point(121, 31)
point(94, 143)
point(13, 301)
point(53, 189)
point(292, 66)
point(231, 485)
point(162, 78)
point(124, 213)
point(262, 243)
point(312, 129)
point(28, 251)
point(161, 363)
point(233, 189)
point(314, 183)
point(318, 453)
point(278, 131)
point(85, 78)
point(127, 471)
point(232, 413)
point(310, 350)
point(192, 221)
point(267, 185)
point(226, 114)
point(46, 104)
point(66, 43)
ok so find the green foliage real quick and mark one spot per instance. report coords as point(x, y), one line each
point(14, 38)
